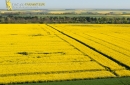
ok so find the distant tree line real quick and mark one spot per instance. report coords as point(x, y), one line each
point(64, 19)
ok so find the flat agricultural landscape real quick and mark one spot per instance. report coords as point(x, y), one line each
point(57, 52)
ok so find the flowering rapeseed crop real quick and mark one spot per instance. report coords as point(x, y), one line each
point(36, 52)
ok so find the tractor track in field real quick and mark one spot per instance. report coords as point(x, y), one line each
point(117, 38)
point(109, 43)
point(52, 72)
point(106, 67)
point(45, 30)
point(107, 46)
point(95, 50)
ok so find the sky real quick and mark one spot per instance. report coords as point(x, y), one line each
point(76, 4)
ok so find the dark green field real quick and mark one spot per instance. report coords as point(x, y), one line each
point(108, 81)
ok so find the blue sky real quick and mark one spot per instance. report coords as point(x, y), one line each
point(59, 4)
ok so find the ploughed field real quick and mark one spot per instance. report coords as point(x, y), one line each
point(51, 52)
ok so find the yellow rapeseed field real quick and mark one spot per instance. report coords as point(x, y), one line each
point(49, 52)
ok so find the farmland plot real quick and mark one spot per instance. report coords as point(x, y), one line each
point(40, 52)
